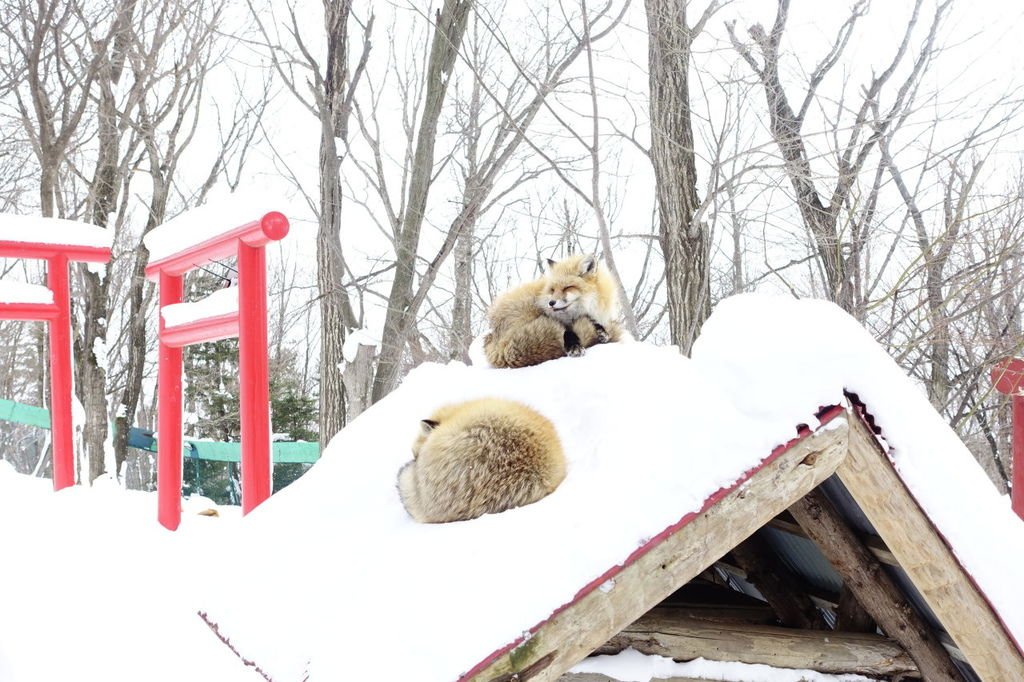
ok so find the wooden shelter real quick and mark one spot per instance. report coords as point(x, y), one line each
point(819, 558)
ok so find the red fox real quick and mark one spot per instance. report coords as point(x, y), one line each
point(480, 457)
point(572, 307)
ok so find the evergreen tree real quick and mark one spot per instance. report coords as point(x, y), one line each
point(212, 403)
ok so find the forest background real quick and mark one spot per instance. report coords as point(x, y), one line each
point(868, 154)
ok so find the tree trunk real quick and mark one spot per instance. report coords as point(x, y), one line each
point(135, 363)
point(336, 315)
point(685, 243)
point(448, 32)
point(461, 335)
point(90, 345)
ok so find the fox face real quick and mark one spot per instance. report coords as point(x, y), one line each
point(570, 288)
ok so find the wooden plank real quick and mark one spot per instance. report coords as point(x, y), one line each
point(823, 651)
point(692, 545)
point(872, 586)
point(924, 556)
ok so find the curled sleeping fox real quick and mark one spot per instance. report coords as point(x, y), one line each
point(480, 457)
point(572, 307)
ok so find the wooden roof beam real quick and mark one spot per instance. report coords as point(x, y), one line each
point(927, 560)
point(872, 586)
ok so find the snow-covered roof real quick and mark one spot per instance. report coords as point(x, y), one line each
point(55, 231)
point(649, 436)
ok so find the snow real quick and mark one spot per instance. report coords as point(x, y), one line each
point(648, 435)
point(220, 302)
point(633, 666)
point(94, 590)
point(357, 338)
point(20, 292)
point(39, 230)
point(214, 218)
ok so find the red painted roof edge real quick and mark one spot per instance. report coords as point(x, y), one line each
point(825, 416)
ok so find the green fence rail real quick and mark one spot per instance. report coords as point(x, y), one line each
point(142, 439)
point(24, 414)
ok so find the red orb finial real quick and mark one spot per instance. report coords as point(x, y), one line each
point(275, 225)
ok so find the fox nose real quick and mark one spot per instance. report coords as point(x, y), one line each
point(552, 303)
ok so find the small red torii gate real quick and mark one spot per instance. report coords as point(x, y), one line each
point(249, 323)
point(1008, 378)
point(57, 314)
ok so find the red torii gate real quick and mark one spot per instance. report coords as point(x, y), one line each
point(249, 323)
point(1008, 378)
point(57, 314)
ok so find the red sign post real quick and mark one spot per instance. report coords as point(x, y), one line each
point(58, 316)
point(249, 324)
point(1008, 378)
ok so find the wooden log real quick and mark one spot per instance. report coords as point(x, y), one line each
point(851, 616)
point(927, 560)
point(597, 677)
point(777, 584)
point(825, 651)
point(873, 587)
point(579, 628)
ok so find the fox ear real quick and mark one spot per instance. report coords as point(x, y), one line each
point(428, 425)
point(588, 265)
point(549, 263)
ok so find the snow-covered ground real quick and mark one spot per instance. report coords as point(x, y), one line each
point(309, 582)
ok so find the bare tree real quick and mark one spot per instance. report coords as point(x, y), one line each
point(836, 256)
point(449, 28)
point(332, 88)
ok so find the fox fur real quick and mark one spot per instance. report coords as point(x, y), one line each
point(572, 307)
point(480, 457)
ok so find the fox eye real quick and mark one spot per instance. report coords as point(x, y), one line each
point(571, 289)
